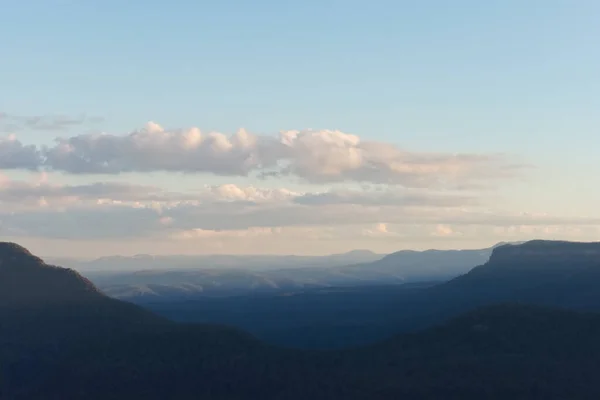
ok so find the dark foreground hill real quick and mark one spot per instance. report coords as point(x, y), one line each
point(65, 340)
point(546, 273)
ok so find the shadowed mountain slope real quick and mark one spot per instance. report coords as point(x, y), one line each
point(71, 342)
point(25, 280)
point(549, 273)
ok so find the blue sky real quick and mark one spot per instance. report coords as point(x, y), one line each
point(511, 77)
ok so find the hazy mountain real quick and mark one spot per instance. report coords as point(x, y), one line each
point(538, 272)
point(398, 268)
point(411, 265)
point(145, 262)
point(68, 341)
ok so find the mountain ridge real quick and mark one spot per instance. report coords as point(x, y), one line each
point(26, 279)
point(547, 251)
point(109, 349)
point(324, 318)
point(402, 267)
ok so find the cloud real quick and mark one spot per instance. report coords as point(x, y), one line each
point(230, 192)
point(444, 230)
point(12, 123)
point(152, 148)
point(75, 223)
point(333, 156)
point(114, 210)
point(15, 155)
point(315, 156)
point(379, 230)
point(389, 198)
point(272, 234)
point(238, 233)
point(110, 209)
point(21, 195)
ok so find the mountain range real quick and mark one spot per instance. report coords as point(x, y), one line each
point(148, 262)
point(62, 338)
point(187, 278)
point(546, 273)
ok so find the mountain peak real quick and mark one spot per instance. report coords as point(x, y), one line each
point(27, 279)
point(14, 254)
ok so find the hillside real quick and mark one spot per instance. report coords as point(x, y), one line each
point(75, 343)
point(48, 315)
point(546, 273)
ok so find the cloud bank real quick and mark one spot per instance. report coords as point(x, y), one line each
point(15, 155)
point(356, 193)
point(315, 156)
point(108, 210)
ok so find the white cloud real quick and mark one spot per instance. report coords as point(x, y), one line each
point(237, 233)
point(316, 156)
point(329, 156)
point(444, 230)
point(20, 195)
point(110, 210)
point(233, 192)
point(379, 230)
point(153, 148)
point(397, 197)
point(387, 197)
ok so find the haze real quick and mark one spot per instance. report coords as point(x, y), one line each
point(307, 128)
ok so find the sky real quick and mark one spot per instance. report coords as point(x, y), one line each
point(313, 127)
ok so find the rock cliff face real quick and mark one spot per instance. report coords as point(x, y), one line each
point(547, 252)
point(538, 272)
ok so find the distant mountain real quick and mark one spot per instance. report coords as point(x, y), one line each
point(411, 265)
point(66, 340)
point(402, 267)
point(548, 273)
point(145, 262)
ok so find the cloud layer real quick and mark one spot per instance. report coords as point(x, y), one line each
point(15, 155)
point(322, 156)
point(360, 194)
point(115, 210)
